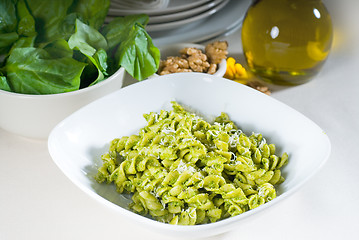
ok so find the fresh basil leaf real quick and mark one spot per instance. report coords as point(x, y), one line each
point(8, 20)
point(4, 85)
point(91, 12)
point(86, 39)
point(45, 48)
point(131, 46)
point(68, 26)
point(49, 16)
point(26, 24)
point(8, 23)
point(6, 40)
point(117, 30)
point(101, 60)
point(96, 70)
point(32, 71)
point(59, 48)
point(137, 54)
point(90, 75)
point(23, 42)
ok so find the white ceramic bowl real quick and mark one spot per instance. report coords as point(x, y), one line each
point(173, 50)
point(77, 143)
point(34, 116)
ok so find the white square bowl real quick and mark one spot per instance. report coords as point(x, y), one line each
point(77, 143)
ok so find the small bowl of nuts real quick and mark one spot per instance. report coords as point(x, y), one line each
point(190, 57)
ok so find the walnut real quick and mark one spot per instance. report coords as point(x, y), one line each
point(259, 86)
point(216, 51)
point(194, 60)
point(212, 68)
point(173, 65)
point(197, 60)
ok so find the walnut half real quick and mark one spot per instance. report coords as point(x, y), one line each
point(173, 65)
point(196, 59)
point(217, 51)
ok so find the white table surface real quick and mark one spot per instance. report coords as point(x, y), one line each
point(38, 202)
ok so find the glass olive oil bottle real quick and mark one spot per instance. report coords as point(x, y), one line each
point(286, 42)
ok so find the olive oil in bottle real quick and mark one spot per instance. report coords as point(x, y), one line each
point(286, 42)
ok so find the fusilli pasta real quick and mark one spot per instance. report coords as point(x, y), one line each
point(183, 170)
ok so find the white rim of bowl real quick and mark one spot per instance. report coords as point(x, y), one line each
point(82, 90)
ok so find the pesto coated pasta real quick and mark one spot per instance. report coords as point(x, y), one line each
point(183, 170)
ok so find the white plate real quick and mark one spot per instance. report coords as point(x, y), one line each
point(179, 23)
point(77, 143)
point(231, 16)
point(184, 14)
point(227, 32)
point(178, 15)
point(173, 6)
point(140, 4)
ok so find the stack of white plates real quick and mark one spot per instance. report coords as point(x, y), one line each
point(174, 21)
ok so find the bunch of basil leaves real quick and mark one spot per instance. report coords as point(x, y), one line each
point(57, 46)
